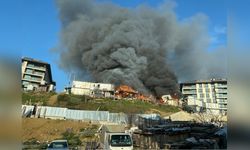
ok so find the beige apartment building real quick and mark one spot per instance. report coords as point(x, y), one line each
point(206, 95)
point(36, 75)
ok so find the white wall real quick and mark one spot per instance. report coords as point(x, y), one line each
point(211, 107)
point(86, 88)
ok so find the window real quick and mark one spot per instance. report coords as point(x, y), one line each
point(27, 77)
point(30, 65)
point(200, 91)
point(58, 145)
point(222, 106)
point(121, 140)
point(206, 85)
point(39, 73)
point(28, 71)
point(201, 95)
point(193, 86)
point(36, 79)
point(25, 82)
point(200, 85)
point(207, 95)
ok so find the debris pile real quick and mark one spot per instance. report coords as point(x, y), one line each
point(127, 92)
point(167, 134)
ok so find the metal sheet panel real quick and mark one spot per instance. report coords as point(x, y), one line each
point(87, 115)
point(26, 109)
point(55, 112)
point(120, 118)
point(150, 116)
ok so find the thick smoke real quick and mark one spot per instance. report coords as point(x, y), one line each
point(140, 47)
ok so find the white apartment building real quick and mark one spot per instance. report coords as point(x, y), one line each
point(92, 89)
point(206, 95)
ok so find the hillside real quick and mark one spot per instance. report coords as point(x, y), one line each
point(37, 132)
point(36, 97)
point(87, 103)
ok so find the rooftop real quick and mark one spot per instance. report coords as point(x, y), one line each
point(34, 60)
point(206, 81)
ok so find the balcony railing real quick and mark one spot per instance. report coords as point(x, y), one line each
point(32, 79)
point(188, 92)
point(220, 86)
point(35, 73)
point(189, 87)
point(36, 67)
point(220, 91)
point(222, 102)
point(221, 96)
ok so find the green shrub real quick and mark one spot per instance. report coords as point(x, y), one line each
point(74, 101)
point(35, 97)
point(72, 138)
point(103, 108)
point(88, 132)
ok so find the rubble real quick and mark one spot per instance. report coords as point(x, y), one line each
point(167, 134)
point(127, 92)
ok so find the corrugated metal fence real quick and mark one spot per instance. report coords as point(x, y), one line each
point(85, 115)
point(65, 113)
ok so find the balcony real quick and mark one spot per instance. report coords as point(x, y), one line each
point(34, 74)
point(36, 67)
point(211, 105)
point(220, 86)
point(195, 102)
point(189, 92)
point(189, 87)
point(220, 91)
point(221, 96)
point(36, 80)
point(222, 106)
point(222, 102)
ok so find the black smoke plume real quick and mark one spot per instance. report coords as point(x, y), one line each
point(143, 47)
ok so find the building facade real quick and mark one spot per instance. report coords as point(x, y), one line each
point(36, 75)
point(168, 99)
point(92, 89)
point(206, 95)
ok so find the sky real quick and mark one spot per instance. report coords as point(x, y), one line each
point(31, 28)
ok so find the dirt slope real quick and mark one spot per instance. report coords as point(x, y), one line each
point(52, 100)
point(46, 130)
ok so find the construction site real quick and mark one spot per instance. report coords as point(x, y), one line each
point(180, 130)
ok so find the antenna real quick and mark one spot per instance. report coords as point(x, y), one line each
point(69, 78)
